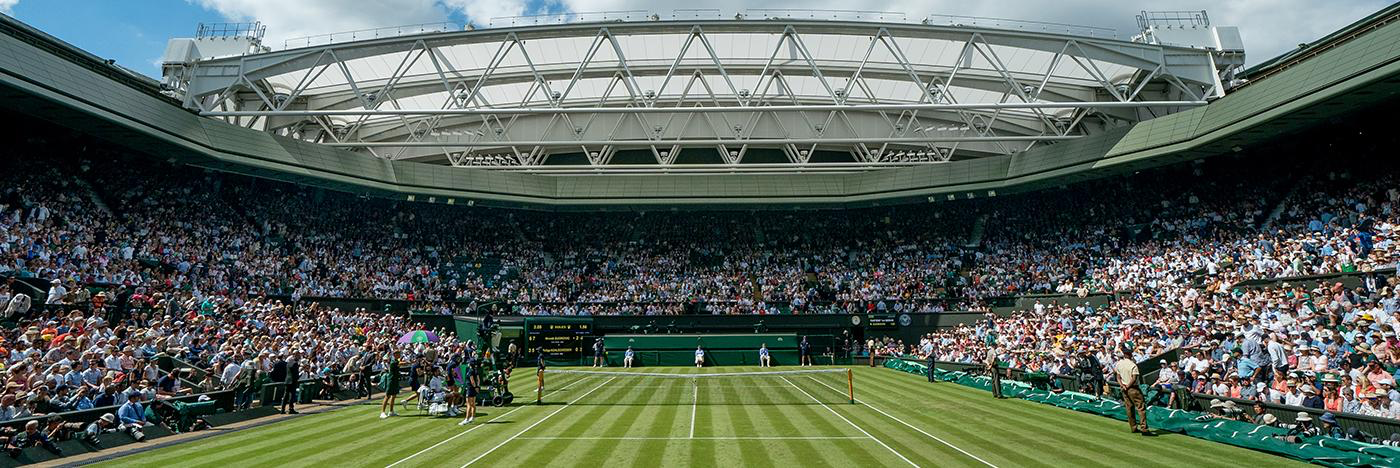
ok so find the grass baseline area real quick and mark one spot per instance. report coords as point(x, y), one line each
point(609, 420)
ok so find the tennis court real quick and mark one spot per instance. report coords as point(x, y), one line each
point(671, 419)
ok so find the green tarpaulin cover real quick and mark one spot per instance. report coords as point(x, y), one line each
point(1319, 450)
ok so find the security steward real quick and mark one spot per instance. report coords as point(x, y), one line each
point(932, 366)
point(994, 372)
point(1127, 373)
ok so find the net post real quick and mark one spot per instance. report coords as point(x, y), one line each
point(850, 386)
point(539, 387)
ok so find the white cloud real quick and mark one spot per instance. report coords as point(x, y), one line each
point(7, 6)
point(299, 18)
point(286, 19)
point(1269, 27)
point(481, 11)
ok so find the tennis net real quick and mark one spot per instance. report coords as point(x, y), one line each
point(783, 387)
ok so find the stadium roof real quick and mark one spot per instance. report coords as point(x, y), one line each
point(43, 78)
point(758, 93)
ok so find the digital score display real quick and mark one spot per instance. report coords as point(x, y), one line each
point(559, 341)
point(881, 321)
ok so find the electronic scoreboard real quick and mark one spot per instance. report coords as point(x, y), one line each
point(881, 321)
point(560, 340)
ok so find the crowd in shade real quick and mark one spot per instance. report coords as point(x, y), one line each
point(201, 234)
point(219, 270)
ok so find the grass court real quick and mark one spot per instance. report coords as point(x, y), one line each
point(793, 420)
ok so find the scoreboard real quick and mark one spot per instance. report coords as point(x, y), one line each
point(559, 341)
point(881, 321)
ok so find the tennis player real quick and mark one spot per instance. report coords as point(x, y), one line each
point(764, 360)
point(699, 356)
point(627, 358)
point(598, 353)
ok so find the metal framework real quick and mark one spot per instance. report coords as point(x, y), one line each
point(868, 94)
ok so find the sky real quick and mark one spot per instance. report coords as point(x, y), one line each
point(134, 32)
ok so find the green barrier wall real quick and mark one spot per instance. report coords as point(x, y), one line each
point(465, 329)
point(749, 342)
point(1325, 451)
point(712, 358)
point(720, 350)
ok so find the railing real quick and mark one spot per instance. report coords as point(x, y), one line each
point(1022, 25)
point(580, 17)
point(253, 30)
point(1173, 18)
point(707, 14)
point(365, 34)
point(830, 15)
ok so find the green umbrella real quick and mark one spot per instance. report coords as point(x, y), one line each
point(418, 336)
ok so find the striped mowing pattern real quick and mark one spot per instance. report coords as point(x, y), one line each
point(600, 421)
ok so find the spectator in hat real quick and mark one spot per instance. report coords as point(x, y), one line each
point(1391, 407)
point(1310, 397)
point(1327, 426)
point(1387, 386)
point(1302, 428)
point(56, 293)
point(107, 423)
point(1371, 406)
point(1332, 398)
point(1294, 396)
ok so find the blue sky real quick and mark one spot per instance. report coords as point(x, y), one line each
point(134, 32)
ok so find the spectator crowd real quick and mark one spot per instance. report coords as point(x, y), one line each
point(147, 263)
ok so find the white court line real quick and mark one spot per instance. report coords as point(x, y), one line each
point(858, 428)
point(701, 438)
point(911, 426)
point(712, 388)
point(694, 403)
point(532, 426)
point(449, 439)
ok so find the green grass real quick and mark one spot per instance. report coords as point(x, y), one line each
point(590, 421)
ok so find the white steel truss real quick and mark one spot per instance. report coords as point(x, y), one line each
point(876, 92)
